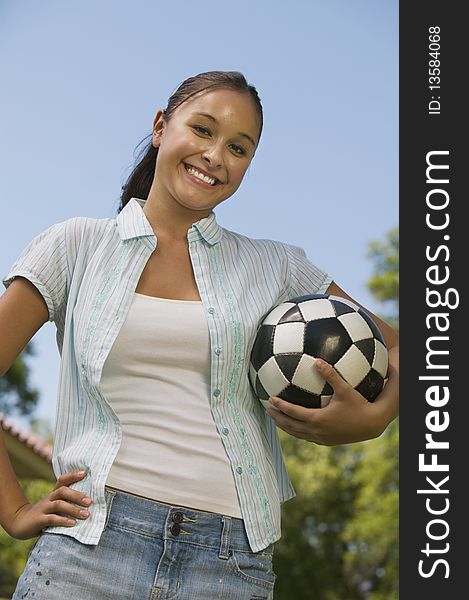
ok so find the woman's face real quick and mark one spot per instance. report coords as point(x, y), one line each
point(204, 149)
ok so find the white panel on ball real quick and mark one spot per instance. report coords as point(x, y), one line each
point(277, 313)
point(344, 301)
point(270, 372)
point(381, 360)
point(353, 366)
point(307, 377)
point(325, 400)
point(288, 338)
point(316, 309)
point(356, 326)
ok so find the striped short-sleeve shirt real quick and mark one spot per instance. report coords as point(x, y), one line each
point(87, 271)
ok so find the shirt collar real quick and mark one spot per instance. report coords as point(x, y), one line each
point(132, 222)
point(209, 229)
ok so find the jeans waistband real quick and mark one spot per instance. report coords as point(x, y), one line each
point(177, 523)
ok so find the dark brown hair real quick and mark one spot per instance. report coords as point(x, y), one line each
point(139, 182)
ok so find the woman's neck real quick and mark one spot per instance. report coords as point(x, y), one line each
point(170, 219)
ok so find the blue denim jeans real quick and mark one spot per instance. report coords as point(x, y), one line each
point(150, 551)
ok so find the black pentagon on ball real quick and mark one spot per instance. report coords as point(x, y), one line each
point(326, 339)
point(325, 334)
point(259, 389)
point(293, 315)
point(288, 364)
point(368, 348)
point(263, 347)
point(371, 386)
point(341, 308)
point(300, 397)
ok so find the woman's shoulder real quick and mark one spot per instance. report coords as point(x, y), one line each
point(81, 229)
point(83, 223)
point(72, 237)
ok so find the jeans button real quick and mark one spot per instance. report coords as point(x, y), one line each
point(178, 517)
point(175, 529)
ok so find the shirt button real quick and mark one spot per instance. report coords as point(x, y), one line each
point(211, 310)
point(216, 393)
point(239, 470)
point(175, 529)
point(225, 431)
point(218, 351)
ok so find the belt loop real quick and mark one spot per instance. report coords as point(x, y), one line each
point(108, 498)
point(225, 538)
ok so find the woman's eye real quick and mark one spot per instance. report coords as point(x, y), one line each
point(238, 149)
point(200, 129)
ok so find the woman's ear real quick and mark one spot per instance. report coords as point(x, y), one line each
point(158, 125)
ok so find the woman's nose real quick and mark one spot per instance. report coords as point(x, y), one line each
point(213, 156)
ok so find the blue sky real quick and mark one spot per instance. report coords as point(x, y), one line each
point(82, 82)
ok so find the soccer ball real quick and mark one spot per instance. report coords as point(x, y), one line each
point(298, 331)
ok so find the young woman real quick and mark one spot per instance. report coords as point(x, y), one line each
point(170, 473)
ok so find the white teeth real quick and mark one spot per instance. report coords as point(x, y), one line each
point(200, 176)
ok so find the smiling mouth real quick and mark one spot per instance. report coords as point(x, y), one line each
point(201, 176)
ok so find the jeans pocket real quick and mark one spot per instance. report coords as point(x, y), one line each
point(253, 567)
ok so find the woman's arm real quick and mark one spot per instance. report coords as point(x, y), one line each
point(348, 417)
point(23, 311)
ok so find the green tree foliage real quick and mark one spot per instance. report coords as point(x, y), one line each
point(340, 533)
point(372, 557)
point(16, 393)
point(384, 284)
point(309, 558)
point(18, 396)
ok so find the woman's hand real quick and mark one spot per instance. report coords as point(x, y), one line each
point(59, 508)
point(348, 417)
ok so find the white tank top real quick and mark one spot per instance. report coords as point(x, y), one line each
point(157, 380)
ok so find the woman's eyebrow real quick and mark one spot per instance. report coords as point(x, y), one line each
point(212, 118)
